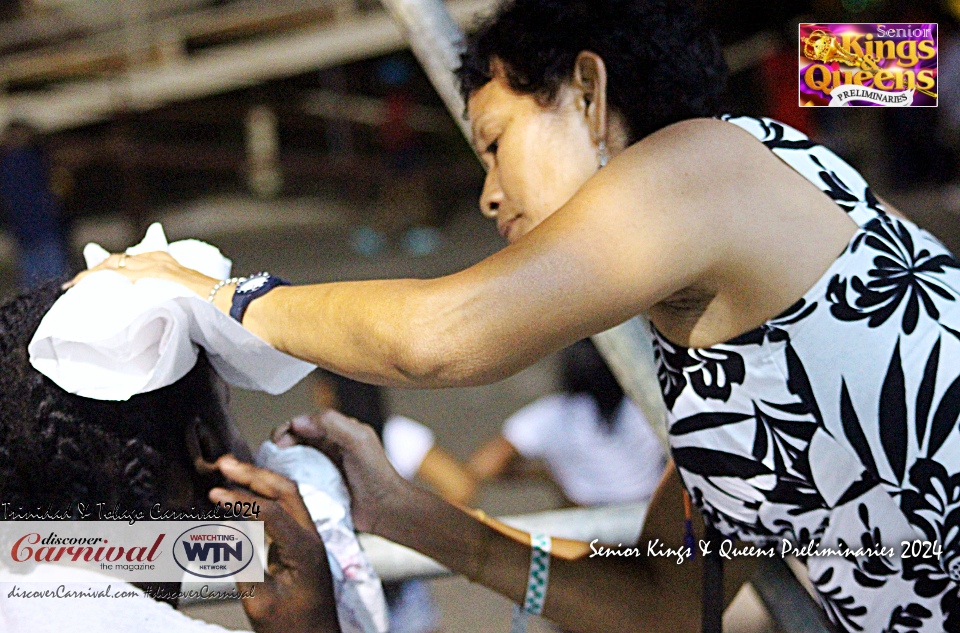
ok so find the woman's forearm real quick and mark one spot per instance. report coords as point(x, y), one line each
point(585, 269)
point(376, 331)
point(404, 332)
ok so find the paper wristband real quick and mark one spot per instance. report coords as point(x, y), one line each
point(536, 583)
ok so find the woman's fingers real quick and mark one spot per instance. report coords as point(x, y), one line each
point(154, 265)
point(110, 263)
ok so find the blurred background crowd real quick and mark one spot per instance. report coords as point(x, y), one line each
point(302, 137)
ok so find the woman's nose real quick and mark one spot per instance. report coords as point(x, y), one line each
point(492, 196)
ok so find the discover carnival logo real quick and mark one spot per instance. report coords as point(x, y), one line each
point(147, 551)
point(868, 65)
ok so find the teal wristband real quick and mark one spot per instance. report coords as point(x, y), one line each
point(537, 580)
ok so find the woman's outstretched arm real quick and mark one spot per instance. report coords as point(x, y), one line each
point(633, 235)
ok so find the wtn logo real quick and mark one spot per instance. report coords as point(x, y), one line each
point(221, 551)
point(213, 551)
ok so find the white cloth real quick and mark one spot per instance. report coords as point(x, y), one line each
point(592, 464)
point(109, 339)
point(361, 606)
point(87, 614)
point(406, 443)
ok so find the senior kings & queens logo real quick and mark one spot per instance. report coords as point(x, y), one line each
point(868, 65)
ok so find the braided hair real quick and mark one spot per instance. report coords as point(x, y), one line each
point(58, 449)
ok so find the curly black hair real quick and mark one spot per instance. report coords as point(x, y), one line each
point(663, 65)
point(58, 449)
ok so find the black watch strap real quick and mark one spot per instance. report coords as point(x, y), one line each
point(253, 287)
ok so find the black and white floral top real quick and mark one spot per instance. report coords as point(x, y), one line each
point(834, 425)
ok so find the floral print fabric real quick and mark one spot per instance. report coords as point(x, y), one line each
point(834, 425)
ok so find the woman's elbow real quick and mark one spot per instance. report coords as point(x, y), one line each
point(436, 356)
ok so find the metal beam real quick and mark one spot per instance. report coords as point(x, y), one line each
point(609, 524)
point(103, 51)
point(219, 70)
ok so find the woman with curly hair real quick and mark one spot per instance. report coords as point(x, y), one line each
point(807, 335)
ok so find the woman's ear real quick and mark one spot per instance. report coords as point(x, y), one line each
point(590, 79)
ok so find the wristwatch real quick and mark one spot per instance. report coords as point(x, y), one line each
point(253, 287)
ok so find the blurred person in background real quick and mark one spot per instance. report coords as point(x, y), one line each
point(32, 209)
point(595, 442)
point(405, 210)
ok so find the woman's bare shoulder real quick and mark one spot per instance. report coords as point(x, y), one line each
point(695, 165)
point(701, 144)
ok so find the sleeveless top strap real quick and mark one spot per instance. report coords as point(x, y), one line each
point(830, 173)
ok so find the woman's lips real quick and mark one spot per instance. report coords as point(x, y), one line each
point(506, 227)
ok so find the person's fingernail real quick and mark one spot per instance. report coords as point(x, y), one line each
point(286, 440)
point(301, 423)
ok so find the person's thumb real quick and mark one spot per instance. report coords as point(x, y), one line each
point(330, 432)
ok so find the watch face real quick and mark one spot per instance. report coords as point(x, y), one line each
point(252, 284)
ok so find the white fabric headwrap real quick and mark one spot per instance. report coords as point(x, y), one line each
point(108, 338)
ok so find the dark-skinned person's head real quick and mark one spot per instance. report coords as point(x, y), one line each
point(556, 87)
point(58, 449)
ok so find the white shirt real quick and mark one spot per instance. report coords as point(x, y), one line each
point(406, 443)
point(592, 463)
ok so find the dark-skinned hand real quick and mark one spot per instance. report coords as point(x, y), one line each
point(297, 592)
point(375, 487)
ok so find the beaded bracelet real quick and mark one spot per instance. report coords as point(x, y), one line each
point(537, 580)
point(220, 284)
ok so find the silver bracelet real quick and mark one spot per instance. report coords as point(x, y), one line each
point(220, 284)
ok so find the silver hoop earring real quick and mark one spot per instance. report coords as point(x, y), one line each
point(602, 153)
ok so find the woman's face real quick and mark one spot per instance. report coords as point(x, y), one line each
point(537, 156)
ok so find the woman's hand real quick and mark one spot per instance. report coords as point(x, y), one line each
point(159, 265)
point(297, 592)
point(376, 489)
